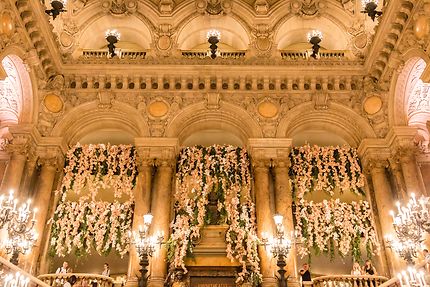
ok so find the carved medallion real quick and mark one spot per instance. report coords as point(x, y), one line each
point(53, 103)
point(158, 109)
point(421, 27)
point(267, 109)
point(7, 25)
point(372, 105)
point(164, 42)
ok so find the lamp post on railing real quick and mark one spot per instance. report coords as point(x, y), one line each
point(145, 246)
point(280, 246)
point(20, 226)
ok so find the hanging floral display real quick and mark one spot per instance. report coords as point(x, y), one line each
point(333, 224)
point(324, 169)
point(100, 166)
point(225, 171)
point(77, 226)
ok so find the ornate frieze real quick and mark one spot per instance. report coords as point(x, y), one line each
point(119, 7)
point(214, 7)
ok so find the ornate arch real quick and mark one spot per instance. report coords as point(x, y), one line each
point(337, 119)
point(228, 117)
point(88, 118)
point(19, 108)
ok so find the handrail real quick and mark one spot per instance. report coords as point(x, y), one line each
point(392, 282)
point(83, 279)
point(122, 54)
point(347, 280)
point(221, 54)
point(295, 55)
point(14, 268)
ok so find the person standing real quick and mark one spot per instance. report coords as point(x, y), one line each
point(71, 282)
point(368, 268)
point(106, 270)
point(63, 269)
point(305, 273)
point(356, 269)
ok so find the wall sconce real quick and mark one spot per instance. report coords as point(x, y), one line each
point(315, 37)
point(369, 7)
point(57, 8)
point(145, 246)
point(112, 36)
point(213, 36)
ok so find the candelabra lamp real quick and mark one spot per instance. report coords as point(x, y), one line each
point(406, 249)
point(145, 247)
point(57, 8)
point(281, 246)
point(213, 37)
point(20, 227)
point(315, 37)
point(112, 37)
point(370, 7)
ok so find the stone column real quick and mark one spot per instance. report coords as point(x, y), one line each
point(42, 201)
point(384, 202)
point(264, 220)
point(30, 168)
point(160, 209)
point(142, 203)
point(411, 173)
point(284, 207)
point(398, 176)
point(14, 169)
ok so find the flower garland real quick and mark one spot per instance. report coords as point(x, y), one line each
point(79, 225)
point(333, 224)
point(100, 166)
point(325, 168)
point(225, 170)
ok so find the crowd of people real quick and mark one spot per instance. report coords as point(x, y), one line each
point(71, 281)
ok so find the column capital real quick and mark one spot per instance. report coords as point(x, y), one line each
point(281, 163)
point(50, 156)
point(272, 150)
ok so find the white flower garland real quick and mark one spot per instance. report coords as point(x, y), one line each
point(100, 166)
point(324, 168)
point(79, 225)
point(333, 224)
point(225, 169)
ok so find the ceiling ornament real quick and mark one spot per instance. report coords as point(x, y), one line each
point(307, 8)
point(262, 40)
point(163, 39)
point(261, 7)
point(166, 6)
point(214, 7)
point(119, 7)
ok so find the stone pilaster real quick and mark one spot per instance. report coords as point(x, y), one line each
point(15, 167)
point(142, 204)
point(264, 219)
point(160, 209)
point(396, 169)
point(411, 173)
point(49, 160)
point(284, 207)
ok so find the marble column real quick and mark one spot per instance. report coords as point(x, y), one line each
point(265, 223)
point(384, 202)
point(142, 203)
point(411, 173)
point(42, 199)
point(14, 169)
point(396, 169)
point(160, 209)
point(284, 207)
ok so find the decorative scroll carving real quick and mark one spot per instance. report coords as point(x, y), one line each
point(214, 7)
point(119, 7)
point(164, 42)
point(261, 7)
point(307, 8)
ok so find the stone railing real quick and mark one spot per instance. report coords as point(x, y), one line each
point(393, 282)
point(121, 54)
point(347, 281)
point(294, 55)
point(8, 268)
point(221, 54)
point(83, 279)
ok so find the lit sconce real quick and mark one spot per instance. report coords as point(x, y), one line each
point(213, 36)
point(112, 36)
point(57, 8)
point(412, 278)
point(20, 226)
point(315, 37)
point(145, 246)
point(405, 248)
point(369, 7)
point(17, 280)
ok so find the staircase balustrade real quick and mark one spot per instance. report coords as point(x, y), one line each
point(8, 268)
point(83, 279)
point(347, 281)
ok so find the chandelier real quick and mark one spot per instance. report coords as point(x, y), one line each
point(411, 278)
point(315, 37)
point(17, 280)
point(20, 226)
point(112, 37)
point(369, 7)
point(57, 8)
point(213, 36)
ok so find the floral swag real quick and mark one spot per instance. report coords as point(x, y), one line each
point(334, 224)
point(80, 225)
point(100, 166)
point(224, 170)
point(324, 169)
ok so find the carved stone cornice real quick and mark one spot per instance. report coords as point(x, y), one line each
point(161, 151)
point(267, 151)
point(50, 156)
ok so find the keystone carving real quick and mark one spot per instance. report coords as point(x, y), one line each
point(119, 7)
point(214, 7)
point(307, 8)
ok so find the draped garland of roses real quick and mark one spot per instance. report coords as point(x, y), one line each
point(100, 166)
point(77, 226)
point(225, 170)
point(315, 168)
point(334, 224)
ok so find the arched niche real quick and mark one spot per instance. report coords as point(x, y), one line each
point(16, 94)
point(294, 32)
point(135, 34)
point(412, 99)
point(193, 35)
